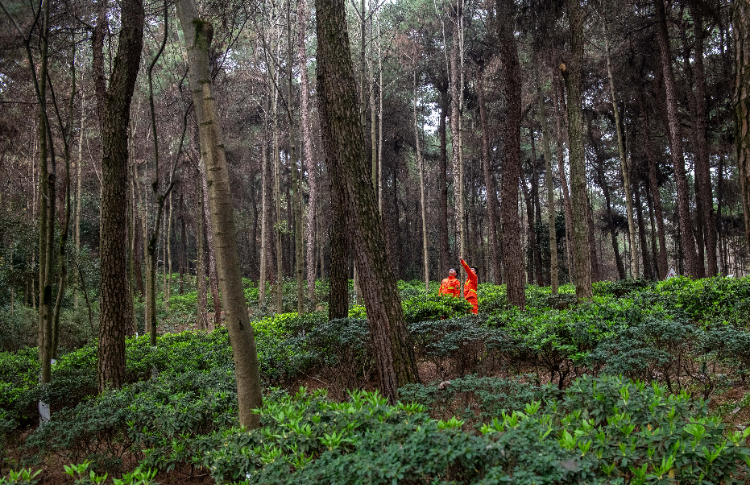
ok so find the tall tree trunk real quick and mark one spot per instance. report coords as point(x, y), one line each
point(741, 35)
point(277, 188)
point(312, 181)
point(445, 255)
point(422, 198)
point(489, 182)
point(572, 75)
point(198, 34)
point(548, 177)
point(114, 106)
point(536, 213)
point(661, 261)
point(567, 204)
point(675, 142)
point(67, 137)
point(624, 165)
point(702, 164)
point(79, 183)
point(296, 179)
point(265, 218)
point(343, 140)
point(456, 94)
point(511, 228)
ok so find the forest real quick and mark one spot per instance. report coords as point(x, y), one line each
point(230, 231)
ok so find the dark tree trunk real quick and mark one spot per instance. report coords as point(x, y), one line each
point(343, 141)
point(642, 231)
point(702, 165)
point(510, 72)
point(536, 215)
point(338, 304)
point(115, 304)
point(741, 34)
point(675, 142)
point(572, 75)
point(489, 183)
point(567, 204)
point(661, 261)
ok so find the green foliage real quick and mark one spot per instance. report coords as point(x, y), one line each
point(424, 307)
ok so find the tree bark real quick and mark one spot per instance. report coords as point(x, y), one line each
point(422, 198)
point(265, 218)
point(536, 213)
point(572, 75)
point(567, 204)
point(510, 71)
point(741, 35)
point(624, 164)
point(198, 35)
point(343, 140)
point(702, 164)
point(456, 94)
point(489, 182)
point(675, 142)
point(445, 255)
point(661, 261)
point(548, 177)
point(115, 116)
point(200, 266)
point(642, 232)
point(312, 181)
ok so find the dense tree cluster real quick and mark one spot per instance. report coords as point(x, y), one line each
point(544, 141)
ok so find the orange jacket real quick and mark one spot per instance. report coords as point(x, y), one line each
point(470, 287)
point(450, 286)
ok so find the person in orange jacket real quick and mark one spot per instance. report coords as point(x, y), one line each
point(450, 285)
point(470, 287)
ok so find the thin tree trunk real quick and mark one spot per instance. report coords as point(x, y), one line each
point(702, 164)
point(198, 34)
point(343, 140)
point(511, 228)
point(168, 263)
point(456, 94)
point(624, 165)
point(422, 198)
point(114, 106)
point(265, 219)
point(79, 179)
point(380, 122)
point(661, 261)
point(675, 142)
point(536, 215)
point(277, 187)
point(489, 182)
point(445, 256)
point(312, 180)
point(567, 204)
point(642, 232)
point(595, 266)
point(542, 115)
point(572, 75)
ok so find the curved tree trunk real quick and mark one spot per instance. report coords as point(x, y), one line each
point(198, 35)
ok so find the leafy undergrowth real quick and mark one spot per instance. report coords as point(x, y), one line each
point(527, 396)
